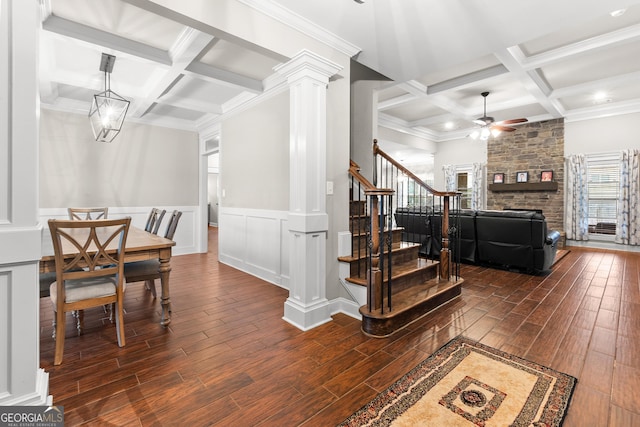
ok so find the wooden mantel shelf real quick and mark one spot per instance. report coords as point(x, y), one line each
point(525, 186)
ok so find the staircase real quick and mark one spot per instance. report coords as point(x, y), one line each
point(401, 286)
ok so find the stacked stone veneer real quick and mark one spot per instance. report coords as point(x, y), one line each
point(532, 148)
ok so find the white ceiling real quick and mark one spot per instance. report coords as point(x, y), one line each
point(540, 59)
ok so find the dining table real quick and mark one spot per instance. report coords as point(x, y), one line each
point(140, 245)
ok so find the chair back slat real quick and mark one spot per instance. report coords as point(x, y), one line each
point(173, 224)
point(154, 219)
point(98, 245)
point(82, 214)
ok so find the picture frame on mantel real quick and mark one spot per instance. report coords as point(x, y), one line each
point(522, 176)
point(546, 176)
point(498, 178)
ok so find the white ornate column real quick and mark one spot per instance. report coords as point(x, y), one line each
point(308, 76)
point(22, 382)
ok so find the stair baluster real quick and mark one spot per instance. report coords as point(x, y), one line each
point(402, 282)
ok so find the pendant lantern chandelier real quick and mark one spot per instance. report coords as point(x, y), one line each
point(108, 109)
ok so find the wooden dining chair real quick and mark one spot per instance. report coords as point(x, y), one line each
point(154, 220)
point(147, 270)
point(76, 214)
point(88, 213)
point(89, 258)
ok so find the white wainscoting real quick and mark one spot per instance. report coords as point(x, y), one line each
point(185, 237)
point(255, 241)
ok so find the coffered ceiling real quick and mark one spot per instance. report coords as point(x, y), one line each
point(539, 60)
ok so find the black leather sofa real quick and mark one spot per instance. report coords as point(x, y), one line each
point(507, 239)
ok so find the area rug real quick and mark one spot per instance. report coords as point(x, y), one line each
point(466, 383)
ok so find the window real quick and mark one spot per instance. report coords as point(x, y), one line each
point(463, 185)
point(603, 175)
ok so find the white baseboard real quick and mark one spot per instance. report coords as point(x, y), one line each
point(345, 306)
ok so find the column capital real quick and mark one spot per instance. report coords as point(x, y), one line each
point(310, 65)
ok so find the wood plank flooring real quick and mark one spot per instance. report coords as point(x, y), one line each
point(228, 358)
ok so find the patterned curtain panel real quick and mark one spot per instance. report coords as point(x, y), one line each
point(577, 206)
point(477, 187)
point(449, 177)
point(628, 227)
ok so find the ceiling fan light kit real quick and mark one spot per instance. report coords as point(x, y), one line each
point(488, 126)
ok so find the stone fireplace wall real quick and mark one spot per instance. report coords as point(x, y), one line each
point(533, 148)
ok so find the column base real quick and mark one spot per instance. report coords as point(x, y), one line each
point(306, 317)
point(39, 397)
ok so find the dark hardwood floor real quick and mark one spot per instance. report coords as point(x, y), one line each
point(228, 358)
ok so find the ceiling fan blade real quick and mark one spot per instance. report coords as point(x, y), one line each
point(513, 121)
point(503, 128)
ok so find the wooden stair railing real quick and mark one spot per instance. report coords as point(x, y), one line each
point(376, 202)
point(393, 268)
point(387, 171)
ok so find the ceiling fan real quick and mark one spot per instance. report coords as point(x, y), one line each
point(489, 127)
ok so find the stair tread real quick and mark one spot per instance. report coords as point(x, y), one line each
point(394, 229)
point(403, 246)
point(401, 270)
point(408, 298)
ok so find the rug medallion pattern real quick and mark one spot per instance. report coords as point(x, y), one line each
point(466, 383)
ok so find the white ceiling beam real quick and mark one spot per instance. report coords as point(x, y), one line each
point(400, 125)
point(48, 89)
point(439, 100)
point(606, 110)
point(227, 78)
point(562, 53)
point(91, 35)
point(414, 87)
point(396, 101)
point(593, 86)
point(467, 80)
point(168, 13)
point(530, 79)
point(188, 46)
point(427, 121)
point(190, 104)
point(45, 9)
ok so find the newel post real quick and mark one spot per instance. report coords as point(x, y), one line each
point(308, 76)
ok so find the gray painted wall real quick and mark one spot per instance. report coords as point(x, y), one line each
point(254, 157)
point(143, 166)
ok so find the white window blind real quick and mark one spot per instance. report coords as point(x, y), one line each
point(464, 186)
point(603, 187)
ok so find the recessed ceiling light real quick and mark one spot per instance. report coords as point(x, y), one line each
point(448, 125)
point(599, 95)
point(618, 12)
point(601, 98)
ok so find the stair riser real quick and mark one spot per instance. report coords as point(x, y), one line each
point(360, 224)
point(383, 327)
point(416, 278)
point(359, 268)
point(358, 207)
point(361, 241)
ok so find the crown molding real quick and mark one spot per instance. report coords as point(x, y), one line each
point(305, 26)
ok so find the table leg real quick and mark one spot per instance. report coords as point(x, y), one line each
point(164, 270)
